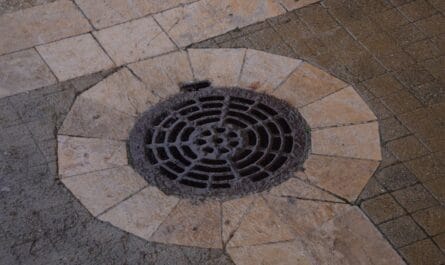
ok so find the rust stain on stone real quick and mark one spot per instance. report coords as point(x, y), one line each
point(255, 85)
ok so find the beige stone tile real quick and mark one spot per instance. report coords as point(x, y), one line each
point(351, 239)
point(193, 224)
point(164, 74)
point(233, 212)
point(208, 18)
point(296, 4)
point(134, 40)
point(88, 118)
point(304, 216)
point(74, 57)
point(23, 71)
point(41, 24)
point(308, 84)
point(100, 190)
point(264, 71)
point(281, 253)
point(142, 213)
point(192, 23)
point(357, 141)
point(297, 188)
point(340, 108)
point(122, 91)
point(260, 225)
point(105, 13)
point(220, 66)
point(82, 155)
point(345, 177)
point(238, 14)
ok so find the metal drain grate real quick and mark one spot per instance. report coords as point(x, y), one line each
point(218, 142)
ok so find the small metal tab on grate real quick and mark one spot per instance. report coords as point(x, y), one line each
point(219, 142)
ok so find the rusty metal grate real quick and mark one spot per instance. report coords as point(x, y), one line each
point(219, 142)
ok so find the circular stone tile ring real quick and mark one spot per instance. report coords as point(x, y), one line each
point(302, 218)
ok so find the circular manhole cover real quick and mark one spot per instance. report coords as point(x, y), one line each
point(219, 142)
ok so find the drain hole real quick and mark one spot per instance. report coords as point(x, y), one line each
point(208, 149)
point(212, 105)
point(259, 176)
point(175, 131)
point(221, 186)
point(160, 137)
point(243, 100)
point(241, 155)
point(234, 144)
point(197, 176)
point(211, 169)
point(193, 183)
point(213, 161)
point(204, 114)
point(186, 134)
point(284, 125)
point(252, 138)
point(243, 116)
point(189, 110)
point(258, 114)
point(176, 154)
point(238, 107)
point(224, 150)
point(249, 171)
point(288, 142)
point(267, 159)
point(204, 99)
point(174, 167)
point(251, 160)
point(223, 178)
point(220, 130)
point(167, 173)
point(169, 122)
point(206, 121)
point(276, 144)
point(236, 122)
point(270, 111)
point(162, 154)
point(264, 137)
point(200, 142)
point(195, 86)
point(273, 128)
point(188, 152)
point(277, 163)
point(219, 140)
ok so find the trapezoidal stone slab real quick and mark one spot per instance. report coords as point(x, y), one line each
point(105, 13)
point(23, 71)
point(262, 225)
point(134, 40)
point(75, 57)
point(40, 24)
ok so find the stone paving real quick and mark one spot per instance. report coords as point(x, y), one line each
point(291, 218)
point(390, 51)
